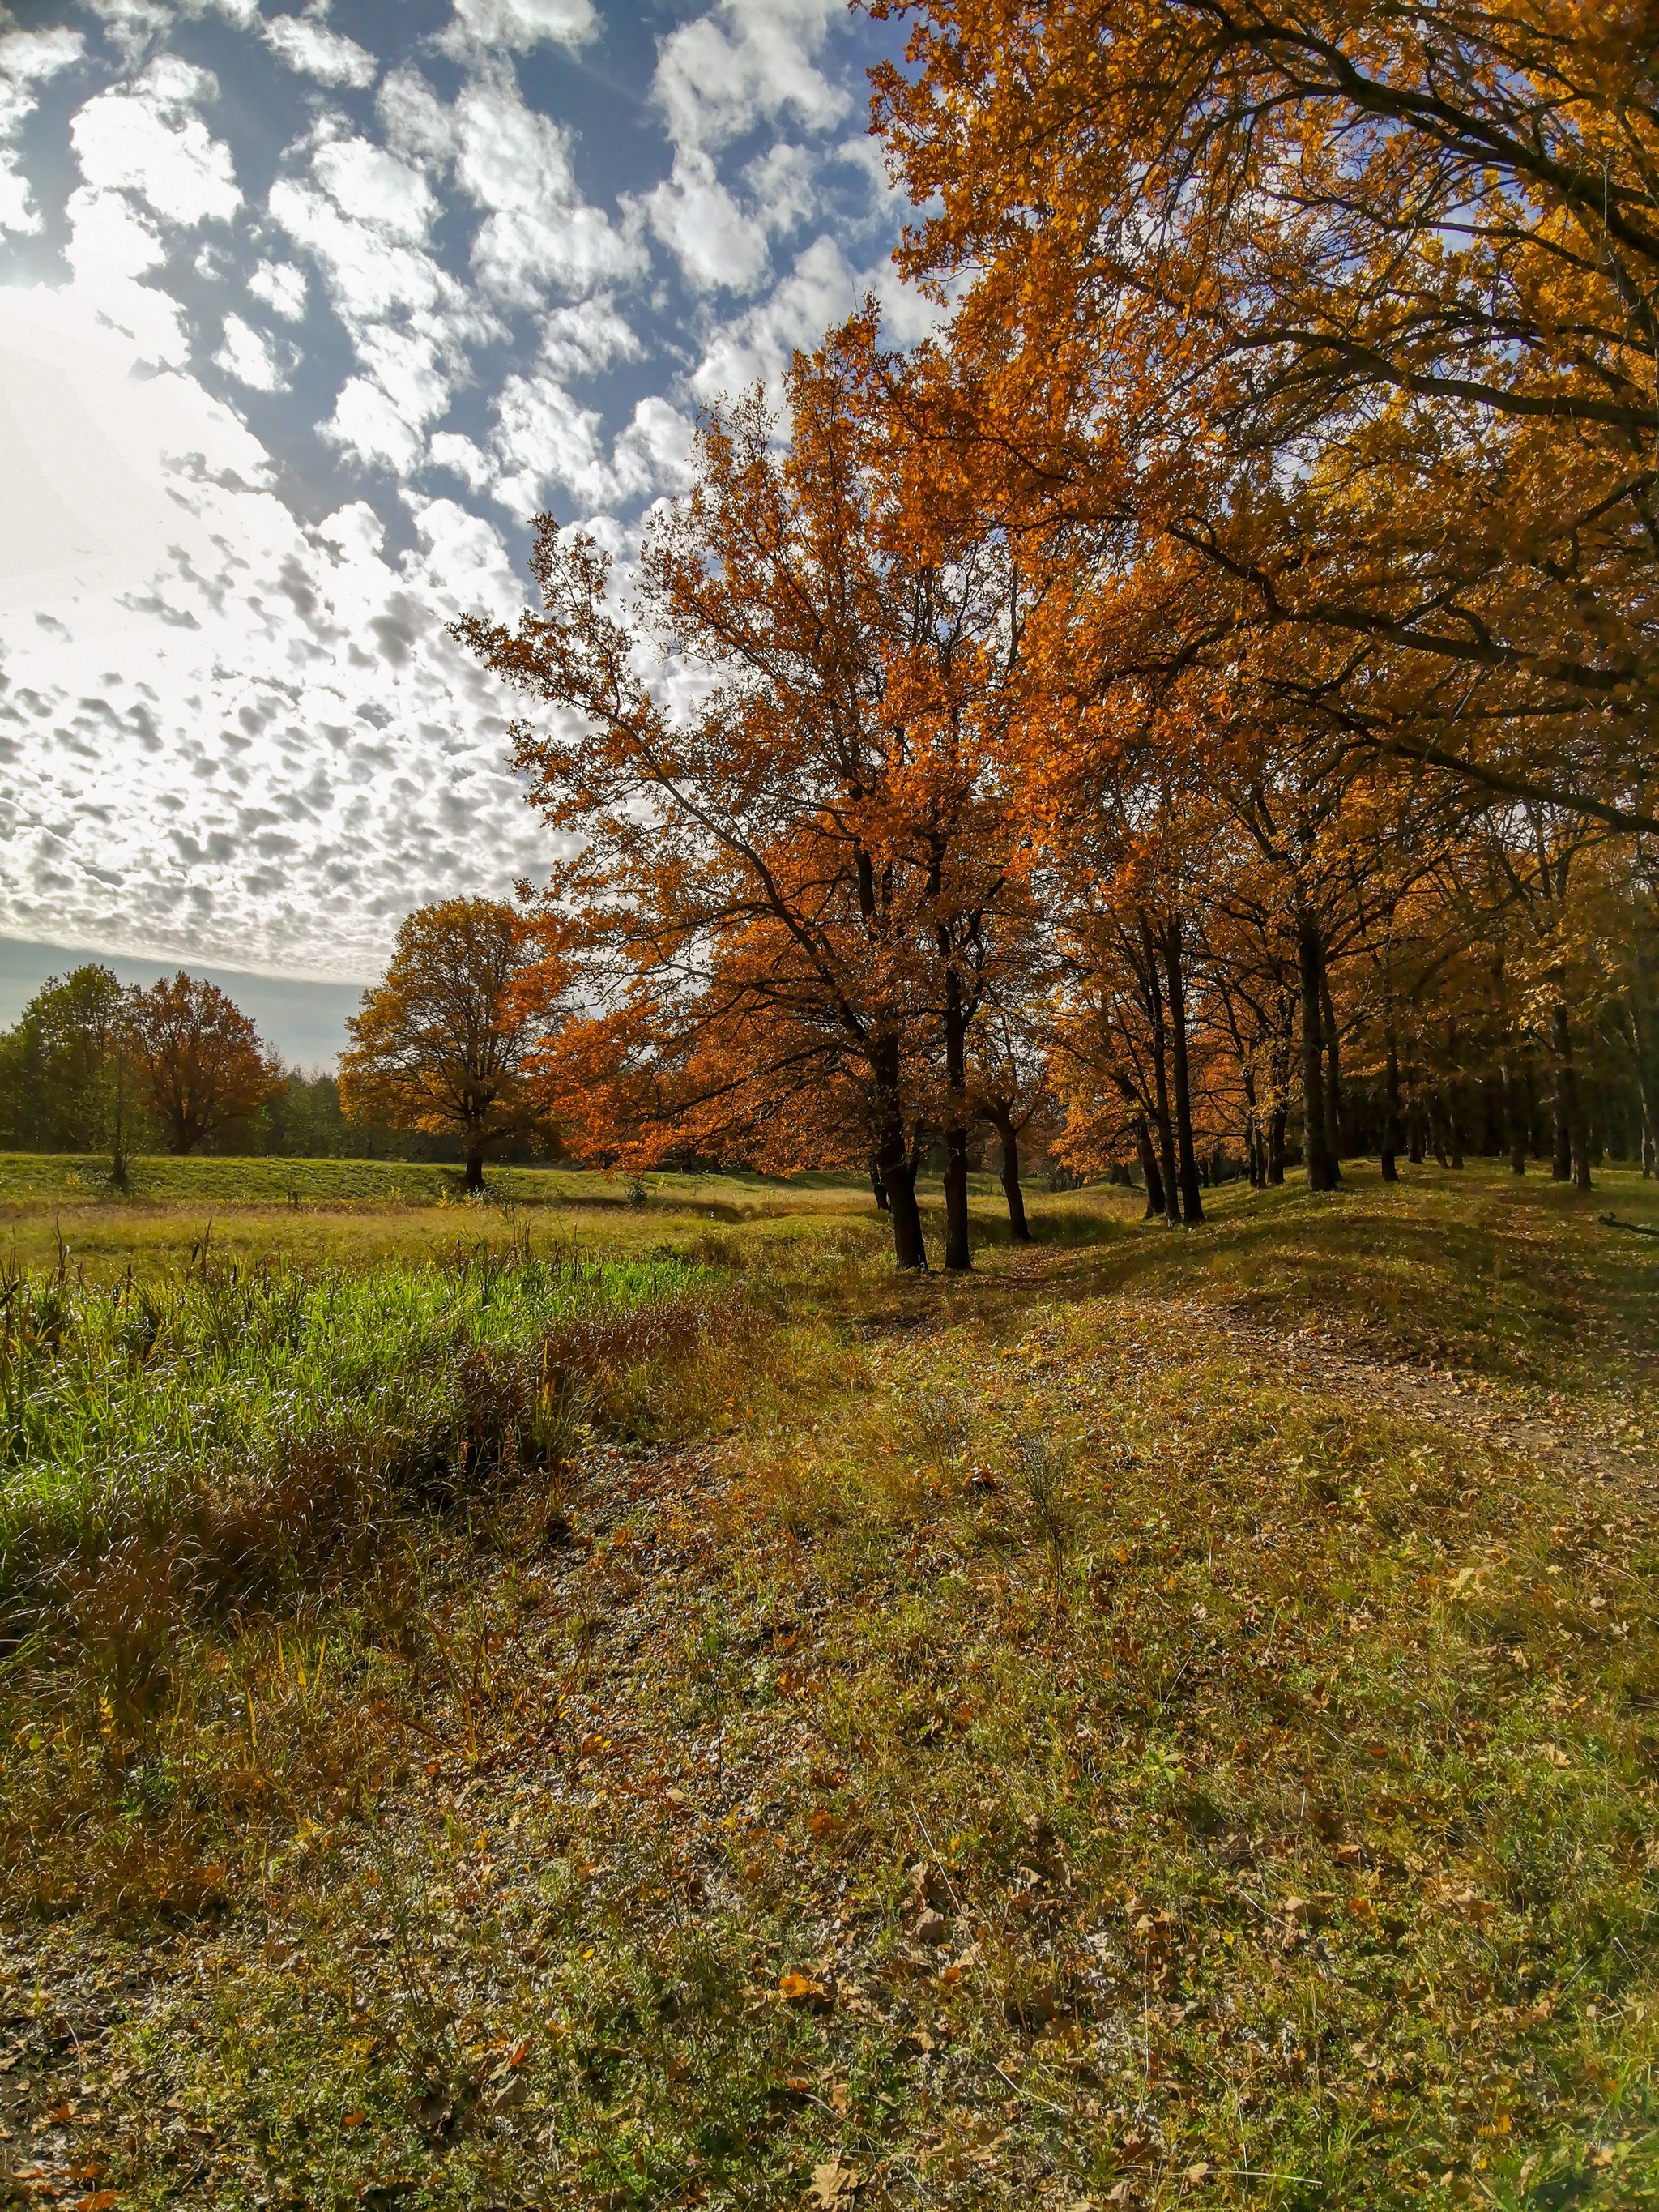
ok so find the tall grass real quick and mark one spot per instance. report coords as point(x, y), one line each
point(233, 1427)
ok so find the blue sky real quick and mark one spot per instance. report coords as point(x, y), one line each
point(303, 313)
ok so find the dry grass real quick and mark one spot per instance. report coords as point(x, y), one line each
point(1079, 1735)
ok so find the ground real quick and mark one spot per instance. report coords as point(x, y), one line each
point(1170, 1719)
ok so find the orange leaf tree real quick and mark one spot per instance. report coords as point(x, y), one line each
point(797, 871)
point(198, 1057)
point(1355, 308)
point(443, 1042)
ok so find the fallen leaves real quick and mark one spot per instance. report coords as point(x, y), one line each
point(802, 1989)
point(834, 2184)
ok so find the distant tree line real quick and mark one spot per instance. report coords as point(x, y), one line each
point(90, 1067)
point(433, 1071)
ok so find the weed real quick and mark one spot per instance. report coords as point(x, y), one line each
point(1043, 1467)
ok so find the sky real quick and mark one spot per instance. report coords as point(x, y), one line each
point(303, 316)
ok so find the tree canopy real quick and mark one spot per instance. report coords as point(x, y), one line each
point(198, 1058)
point(445, 1041)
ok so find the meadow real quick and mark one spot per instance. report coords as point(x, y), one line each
point(605, 1696)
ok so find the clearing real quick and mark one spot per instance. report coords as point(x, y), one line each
point(587, 1702)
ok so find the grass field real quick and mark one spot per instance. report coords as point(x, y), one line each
point(575, 1701)
point(357, 1211)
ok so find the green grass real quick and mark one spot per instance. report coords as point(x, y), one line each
point(119, 1401)
point(357, 1212)
point(1270, 1728)
point(28, 1179)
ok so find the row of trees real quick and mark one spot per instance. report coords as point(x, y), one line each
point(436, 1067)
point(1209, 687)
point(1201, 702)
point(92, 1067)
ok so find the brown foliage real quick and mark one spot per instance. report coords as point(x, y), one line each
point(197, 1056)
point(797, 878)
point(443, 1042)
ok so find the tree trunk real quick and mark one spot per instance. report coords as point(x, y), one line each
point(957, 1261)
point(1252, 1132)
point(1149, 1169)
point(893, 1163)
point(1391, 1109)
point(1518, 1114)
point(1334, 1146)
point(1169, 1182)
point(1192, 1205)
point(1002, 1120)
point(1166, 1153)
point(1276, 1146)
point(900, 1184)
point(1568, 1147)
point(1640, 1014)
point(1316, 1156)
point(1492, 1118)
point(877, 1187)
point(474, 1170)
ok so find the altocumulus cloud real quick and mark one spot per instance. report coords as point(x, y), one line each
point(304, 312)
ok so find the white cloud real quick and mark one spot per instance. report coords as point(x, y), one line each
point(373, 186)
point(367, 423)
point(518, 24)
point(580, 340)
point(744, 62)
point(781, 180)
point(27, 60)
point(716, 244)
point(408, 366)
point(539, 231)
point(869, 155)
point(130, 25)
point(369, 271)
point(451, 450)
point(148, 140)
point(249, 356)
point(285, 752)
point(821, 288)
point(222, 732)
point(653, 453)
point(311, 49)
point(281, 286)
point(416, 123)
point(543, 437)
point(364, 217)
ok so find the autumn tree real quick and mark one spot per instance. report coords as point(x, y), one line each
point(445, 1042)
point(1358, 311)
point(1009, 1078)
point(797, 866)
point(198, 1058)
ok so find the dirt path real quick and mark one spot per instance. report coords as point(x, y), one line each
point(1576, 1436)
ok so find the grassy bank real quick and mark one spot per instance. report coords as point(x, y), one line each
point(359, 1213)
point(273, 1396)
point(1167, 1720)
